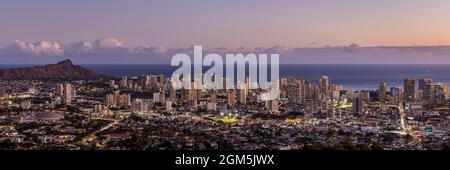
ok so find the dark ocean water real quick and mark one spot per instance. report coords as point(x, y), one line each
point(350, 76)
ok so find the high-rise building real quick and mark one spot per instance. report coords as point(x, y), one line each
point(365, 96)
point(143, 81)
point(213, 97)
point(242, 92)
point(312, 91)
point(424, 87)
point(192, 93)
point(160, 81)
point(59, 90)
point(438, 93)
point(68, 94)
point(124, 100)
point(139, 106)
point(130, 84)
point(110, 100)
point(117, 100)
point(358, 105)
point(112, 84)
point(424, 82)
point(311, 106)
point(168, 105)
point(409, 89)
point(336, 91)
point(284, 82)
point(293, 93)
point(272, 105)
point(324, 84)
point(153, 82)
point(302, 93)
point(242, 97)
point(172, 93)
point(116, 94)
point(396, 93)
point(382, 92)
point(231, 97)
point(123, 82)
point(99, 108)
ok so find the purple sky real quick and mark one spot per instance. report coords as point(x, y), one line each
point(303, 31)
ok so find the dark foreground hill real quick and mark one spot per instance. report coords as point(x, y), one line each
point(61, 70)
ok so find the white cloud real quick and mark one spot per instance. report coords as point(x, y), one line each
point(108, 42)
point(83, 46)
point(44, 48)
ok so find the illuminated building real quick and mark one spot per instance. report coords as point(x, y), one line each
point(231, 97)
point(324, 84)
point(68, 94)
point(409, 89)
point(358, 105)
point(424, 87)
point(382, 92)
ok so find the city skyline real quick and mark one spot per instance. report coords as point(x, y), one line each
point(128, 113)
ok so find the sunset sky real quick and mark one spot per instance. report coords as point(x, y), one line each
point(161, 25)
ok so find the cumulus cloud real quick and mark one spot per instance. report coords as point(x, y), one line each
point(41, 48)
point(108, 42)
point(101, 45)
point(82, 46)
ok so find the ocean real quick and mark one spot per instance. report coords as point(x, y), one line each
point(363, 77)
